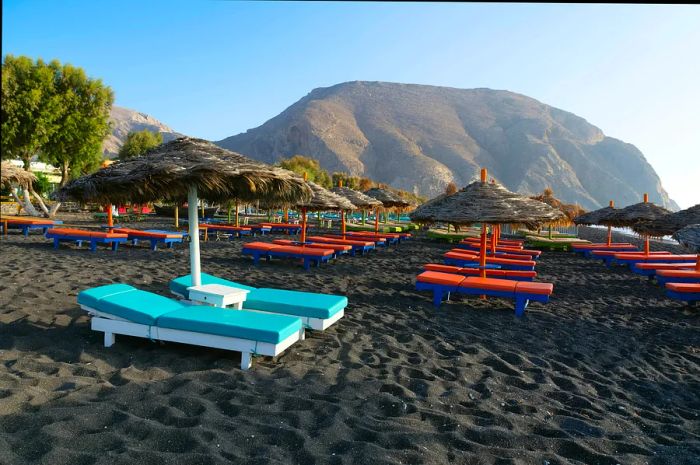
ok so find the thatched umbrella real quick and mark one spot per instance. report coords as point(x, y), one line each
point(668, 224)
point(321, 199)
point(570, 211)
point(187, 167)
point(632, 215)
point(483, 202)
point(14, 175)
point(689, 237)
point(357, 198)
point(388, 200)
point(597, 217)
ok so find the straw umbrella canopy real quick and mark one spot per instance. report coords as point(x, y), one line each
point(188, 167)
point(11, 175)
point(357, 198)
point(597, 217)
point(321, 199)
point(668, 224)
point(632, 215)
point(388, 200)
point(425, 213)
point(689, 237)
point(483, 202)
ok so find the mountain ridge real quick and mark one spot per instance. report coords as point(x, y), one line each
point(420, 137)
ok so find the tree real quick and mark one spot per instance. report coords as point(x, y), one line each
point(83, 123)
point(451, 188)
point(30, 106)
point(138, 143)
point(353, 182)
point(301, 164)
point(365, 184)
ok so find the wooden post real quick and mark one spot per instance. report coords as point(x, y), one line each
point(236, 213)
point(110, 220)
point(612, 205)
point(646, 236)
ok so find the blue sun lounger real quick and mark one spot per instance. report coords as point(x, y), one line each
point(689, 292)
point(80, 235)
point(268, 250)
point(123, 309)
point(26, 227)
point(317, 311)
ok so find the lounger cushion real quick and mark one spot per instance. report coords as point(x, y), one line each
point(302, 304)
point(180, 285)
point(263, 327)
point(651, 258)
point(265, 246)
point(84, 233)
point(90, 297)
point(333, 240)
point(683, 287)
point(134, 305)
point(146, 234)
point(505, 285)
point(476, 271)
point(443, 279)
point(679, 273)
point(294, 250)
point(664, 266)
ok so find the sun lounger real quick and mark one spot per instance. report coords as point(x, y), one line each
point(27, 224)
point(510, 256)
point(123, 309)
point(232, 231)
point(503, 251)
point(641, 258)
point(608, 256)
point(336, 248)
point(268, 250)
point(515, 275)
point(317, 311)
point(287, 228)
point(155, 237)
point(650, 269)
point(389, 238)
point(501, 242)
point(469, 260)
point(678, 276)
point(259, 229)
point(587, 249)
point(81, 235)
point(361, 246)
point(442, 284)
point(377, 241)
point(683, 291)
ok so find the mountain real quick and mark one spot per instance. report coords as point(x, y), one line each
point(419, 138)
point(124, 121)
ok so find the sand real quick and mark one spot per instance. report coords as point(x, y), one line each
point(607, 373)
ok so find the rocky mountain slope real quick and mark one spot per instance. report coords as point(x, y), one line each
point(124, 121)
point(420, 138)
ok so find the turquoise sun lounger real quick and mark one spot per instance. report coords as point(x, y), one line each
point(317, 311)
point(123, 309)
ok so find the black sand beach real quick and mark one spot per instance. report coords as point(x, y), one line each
point(607, 373)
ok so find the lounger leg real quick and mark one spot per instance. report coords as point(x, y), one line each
point(115, 246)
point(520, 306)
point(109, 339)
point(437, 297)
point(246, 360)
point(154, 244)
point(55, 242)
point(302, 334)
point(307, 265)
point(26, 232)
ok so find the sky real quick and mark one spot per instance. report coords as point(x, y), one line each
point(216, 68)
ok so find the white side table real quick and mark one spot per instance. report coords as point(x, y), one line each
point(218, 295)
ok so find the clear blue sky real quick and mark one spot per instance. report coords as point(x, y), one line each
point(215, 68)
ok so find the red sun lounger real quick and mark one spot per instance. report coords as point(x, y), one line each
point(466, 260)
point(376, 240)
point(521, 291)
point(268, 251)
point(361, 246)
point(683, 291)
point(136, 235)
point(660, 258)
point(515, 275)
point(81, 235)
point(678, 276)
point(650, 269)
point(27, 224)
point(502, 250)
point(232, 230)
point(336, 248)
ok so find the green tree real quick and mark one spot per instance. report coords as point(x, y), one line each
point(42, 185)
point(353, 182)
point(301, 164)
point(30, 106)
point(83, 124)
point(138, 143)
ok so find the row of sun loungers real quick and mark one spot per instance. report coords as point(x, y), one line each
point(26, 224)
point(679, 274)
point(269, 322)
point(509, 274)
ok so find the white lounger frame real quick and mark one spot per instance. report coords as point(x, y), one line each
point(111, 326)
point(317, 324)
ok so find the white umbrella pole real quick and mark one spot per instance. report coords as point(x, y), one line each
point(195, 268)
